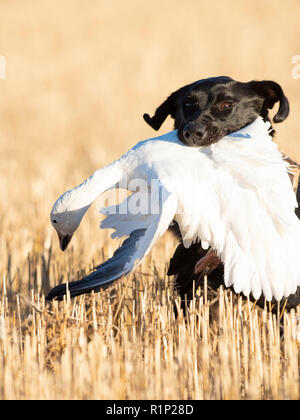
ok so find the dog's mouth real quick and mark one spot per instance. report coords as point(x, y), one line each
point(197, 135)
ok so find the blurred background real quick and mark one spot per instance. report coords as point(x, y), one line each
point(80, 75)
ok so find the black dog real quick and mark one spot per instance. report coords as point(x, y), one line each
point(207, 110)
point(204, 112)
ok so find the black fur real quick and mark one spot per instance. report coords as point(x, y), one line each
point(207, 110)
point(298, 200)
point(200, 120)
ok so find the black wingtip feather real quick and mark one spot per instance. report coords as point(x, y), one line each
point(117, 266)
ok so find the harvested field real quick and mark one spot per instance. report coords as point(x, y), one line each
point(78, 78)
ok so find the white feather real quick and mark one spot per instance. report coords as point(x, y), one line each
point(235, 196)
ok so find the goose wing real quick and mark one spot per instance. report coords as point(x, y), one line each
point(143, 231)
point(260, 248)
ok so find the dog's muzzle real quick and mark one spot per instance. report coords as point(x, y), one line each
point(197, 134)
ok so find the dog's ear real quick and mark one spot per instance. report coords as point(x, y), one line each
point(168, 107)
point(272, 93)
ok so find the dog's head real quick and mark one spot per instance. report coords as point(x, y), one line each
point(207, 110)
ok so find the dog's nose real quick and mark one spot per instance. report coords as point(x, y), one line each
point(194, 132)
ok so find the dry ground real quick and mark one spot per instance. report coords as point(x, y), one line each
point(80, 74)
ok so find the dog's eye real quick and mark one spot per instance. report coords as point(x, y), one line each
point(224, 106)
point(189, 105)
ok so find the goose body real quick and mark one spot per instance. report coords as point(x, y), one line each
point(235, 196)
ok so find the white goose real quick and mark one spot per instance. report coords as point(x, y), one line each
point(235, 196)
